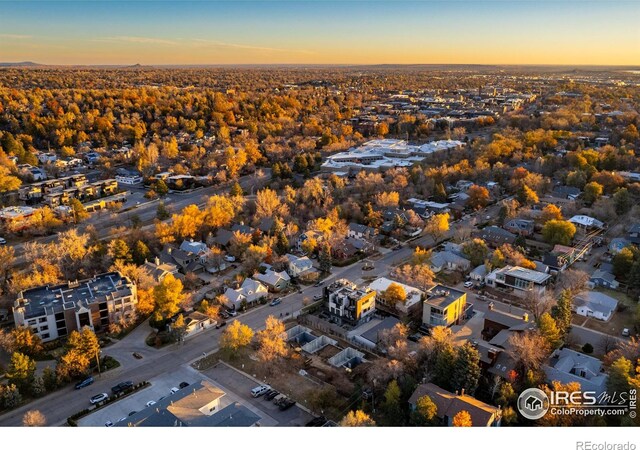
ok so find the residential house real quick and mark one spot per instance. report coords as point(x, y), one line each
point(275, 281)
point(617, 244)
point(298, 265)
point(566, 192)
point(604, 277)
point(518, 280)
point(159, 270)
point(444, 306)
point(348, 304)
point(478, 273)
point(250, 291)
point(449, 404)
point(185, 260)
point(197, 248)
point(359, 231)
point(496, 321)
point(196, 322)
point(587, 223)
point(446, 260)
point(309, 234)
point(595, 304)
point(521, 227)
point(568, 366)
point(495, 236)
point(413, 295)
point(633, 235)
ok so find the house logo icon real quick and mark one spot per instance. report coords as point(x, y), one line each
point(533, 403)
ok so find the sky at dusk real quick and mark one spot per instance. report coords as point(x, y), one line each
point(321, 32)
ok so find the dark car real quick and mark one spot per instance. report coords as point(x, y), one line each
point(84, 383)
point(286, 404)
point(316, 422)
point(221, 324)
point(271, 395)
point(267, 393)
point(137, 355)
point(121, 387)
point(183, 385)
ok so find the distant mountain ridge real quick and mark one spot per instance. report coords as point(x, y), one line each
point(20, 64)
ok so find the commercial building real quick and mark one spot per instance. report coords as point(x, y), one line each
point(55, 311)
point(383, 154)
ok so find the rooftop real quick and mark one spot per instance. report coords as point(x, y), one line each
point(49, 299)
point(442, 296)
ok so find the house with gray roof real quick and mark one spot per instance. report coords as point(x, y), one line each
point(250, 291)
point(520, 227)
point(446, 260)
point(275, 281)
point(595, 304)
point(617, 244)
point(604, 277)
point(633, 235)
point(568, 366)
point(495, 236)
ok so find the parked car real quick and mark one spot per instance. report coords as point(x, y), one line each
point(120, 387)
point(275, 302)
point(137, 355)
point(482, 297)
point(260, 390)
point(317, 297)
point(270, 396)
point(266, 394)
point(183, 385)
point(99, 398)
point(319, 283)
point(108, 423)
point(174, 390)
point(3, 241)
point(468, 284)
point(84, 383)
point(221, 324)
point(279, 399)
point(230, 258)
point(232, 313)
point(132, 413)
point(122, 419)
point(286, 404)
point(625, 332)
point(316, 422)
point(150, 403)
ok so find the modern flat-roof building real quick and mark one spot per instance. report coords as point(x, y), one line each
point(444, 306)
point(383, 154)
point(519, 280)
point(349, 304)
point(55, 311)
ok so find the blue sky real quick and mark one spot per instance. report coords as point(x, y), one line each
point(324, 32)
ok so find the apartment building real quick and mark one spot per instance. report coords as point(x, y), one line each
point(444, 306)
point(55, 311)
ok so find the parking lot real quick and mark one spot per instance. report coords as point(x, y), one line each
point(160, 386)
point(232, 381)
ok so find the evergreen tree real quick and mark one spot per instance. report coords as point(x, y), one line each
point(324, 258)
point(466, 369)
point(549, 330)
point(443, 369)
point(236, 190)
point(282, 243)
point(562, 311)
point(391, 405)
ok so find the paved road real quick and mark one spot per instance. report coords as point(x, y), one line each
point(104, 222)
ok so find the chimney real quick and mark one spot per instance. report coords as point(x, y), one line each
point(491, 306)
point(169, 250)
point(525, 317)
point(157, 261)
point(462, 392)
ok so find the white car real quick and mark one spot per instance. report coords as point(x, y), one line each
point(174, 390)
point(108, 423)
point(260, 390)
point(3, 241)
point(99, 398)
point(229, 258)
point(150, 403)
point(468, 284)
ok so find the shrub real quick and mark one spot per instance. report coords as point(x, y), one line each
point(587, 348)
